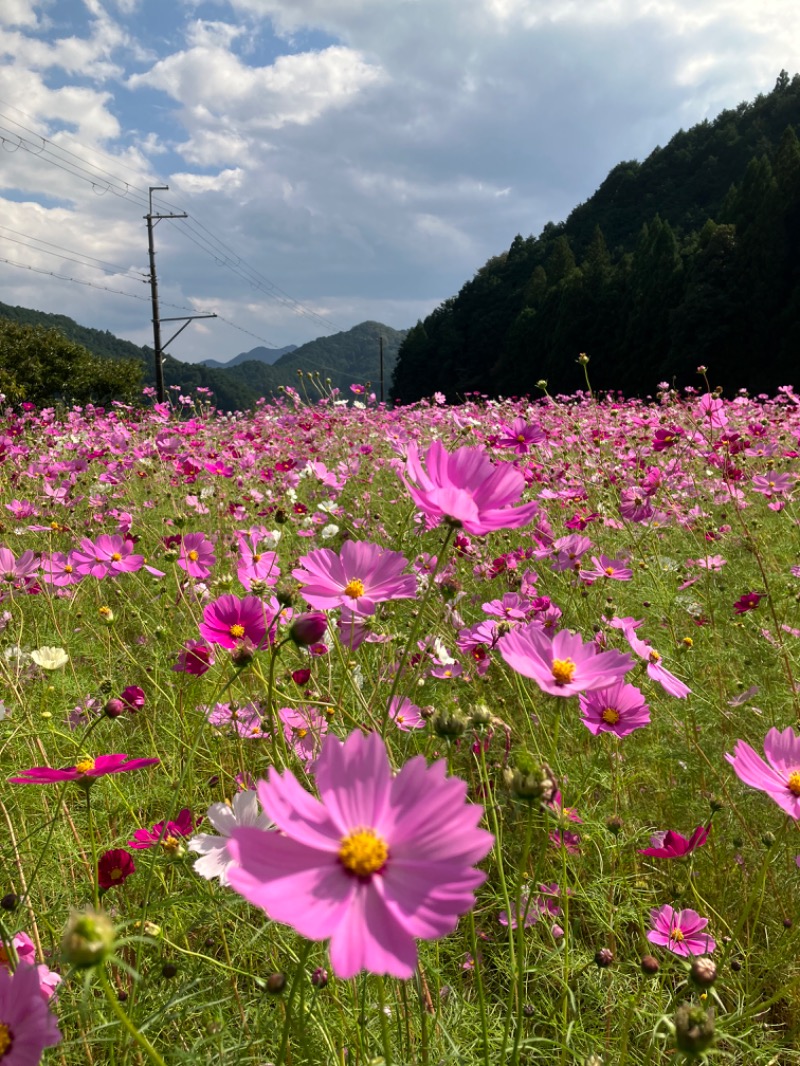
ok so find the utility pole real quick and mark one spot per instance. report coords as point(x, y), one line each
point(381, 340)
point(157, 319)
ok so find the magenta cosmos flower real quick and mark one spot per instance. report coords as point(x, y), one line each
point(196, 555)
point(84, 770)
point(562, 664)
point(230, 620)
point(359, 577)
point(672, 845)
point(106, 555)
point(378, 862)
point(466, 488)
point(619, 709)
point(27, 1026)
point(168, 834)
point(779, 776)
point(680, 932)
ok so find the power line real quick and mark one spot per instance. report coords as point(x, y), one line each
point(97, 264)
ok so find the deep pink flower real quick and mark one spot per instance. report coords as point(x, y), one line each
point(308, 628)
point(671, 845)
point(779, 776)
point(26, 1023)
point(467, 488)
point(168, 834)
point(114, 867)
point(604, 567)
point(133, 698)
point(195, 657)
point(561, 663)
point(381, 861)
point(230, 620)
point(84, 770)
point(619, 709)
point(196, 555)
point(25, 950)
point(655, 667)
point(681, 932)
point(748, 602)
point(358, 578)
point(520, 435)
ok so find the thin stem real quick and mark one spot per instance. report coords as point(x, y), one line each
point(138, 1037)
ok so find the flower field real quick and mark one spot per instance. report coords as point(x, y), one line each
point(343, 734)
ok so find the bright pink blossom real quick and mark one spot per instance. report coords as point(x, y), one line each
point(520, 435)
point(671, 845)
point(466, 488)
point(561, 663)
point(680, 932)
point(380, 861)
point(195, 657)
point(405, 714)
point(196, 555)
point(168, 834)
point(25, 950)
point(230, 620)
point(359, 577)
point(108, 555)
point(779, 776)
point(84, 770)
point(27, 1020)
point(619, 709)
point(114, 867)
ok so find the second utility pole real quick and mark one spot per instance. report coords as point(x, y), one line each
point(159, 355)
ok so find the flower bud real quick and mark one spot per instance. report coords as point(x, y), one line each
point(650, 965)
point(88, 939)
point(276, 982)
point(9, 901)
point(768, 839)
point(449, 724)
point(614, 825)
point(244, 653)
point(532, 780)
point(169, 970)
point(284, 594)
point(114, 708)
point(319, 978)
point(603, 958)
point(308, 628)
point(694, 1029)
point(480, 714)
point(106, 615)
point(703, 972)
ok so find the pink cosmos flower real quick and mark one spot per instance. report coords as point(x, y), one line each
point(25, 950)
point(671, 845)
point(520, 435)
point(167, 834)
point(195, 657)
point(133, 697)
point(28, 1026)
point(20, 573)
point(543, 905)
point(405, 714)
point(59, 569)
point(303, 728)
point(228, 621)
point(748, 602)
point(256, 565)
point(84, 770)
point(358, 578)
point(774, 484)
point(466, 488)
point(379, 862)
point(107, 555)
point(779, 776)
point(680, 932)
point(619, 709)
point(561, 664)
point(655, 668)
point(196, 555)
point(615, 569)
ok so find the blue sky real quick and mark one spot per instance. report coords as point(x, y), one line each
point(339, 160)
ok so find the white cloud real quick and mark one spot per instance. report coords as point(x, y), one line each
point(18, 13)
point(199, 183)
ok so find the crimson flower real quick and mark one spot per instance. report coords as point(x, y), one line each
point(229, 620)
point(168, 834)
point(84, 770)
point(748, 602)
point(671, 845)
point(114, 867)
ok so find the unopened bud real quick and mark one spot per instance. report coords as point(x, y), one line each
point(307, 629)
point(114, 708)
point(449, 724)
point(88, 939)
point(694, 1029)
point(604, 957)
point(319, 978)
point(480, 714)
point(244, 653)
point(704, 972)
point(532, 780)
point(650, 965)
point(276, 982)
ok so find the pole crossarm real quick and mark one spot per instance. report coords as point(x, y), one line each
point(186, 319)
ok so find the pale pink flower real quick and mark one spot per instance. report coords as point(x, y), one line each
point(561, 663)
point(779, 776)
point(359, 577)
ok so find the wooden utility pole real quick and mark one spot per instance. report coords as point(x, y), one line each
point(381, 340)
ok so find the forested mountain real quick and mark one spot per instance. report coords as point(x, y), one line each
point(347, 358)
point(260, 354)
point(688, 258)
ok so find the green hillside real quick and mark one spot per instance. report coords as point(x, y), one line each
point(687, 258)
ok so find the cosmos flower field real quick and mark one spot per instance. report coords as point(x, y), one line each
point(347, 734)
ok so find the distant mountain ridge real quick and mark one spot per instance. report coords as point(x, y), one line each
point(259, 355)
point(335, 362)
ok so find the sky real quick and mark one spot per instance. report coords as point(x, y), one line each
point(337, 160)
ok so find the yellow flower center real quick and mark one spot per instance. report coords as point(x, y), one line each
point(115, 874)
point(116, 556)
point(170, 843)
point(104, 612)
point(4, 959)
point(794, 782)
point(83, 766)
point(563, 671)
point(363, 852)
point(677, 935)
point(354, 589)
point(521, 438)
point(256, 558)
point(609, 570)
point(68, 569)
point(236, 631)
point(301, 733)
point(194, 555)
point(610, 716)
point(654, 657)
point(6, 1039)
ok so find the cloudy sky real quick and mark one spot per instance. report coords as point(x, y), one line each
point(339, 160)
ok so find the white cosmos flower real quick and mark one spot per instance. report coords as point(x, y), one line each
point(329, 531)
point(50, 658)
point(215, 860)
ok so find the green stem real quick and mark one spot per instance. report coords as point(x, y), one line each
point(138, 1037)
point(299, 975)
point(93, 843)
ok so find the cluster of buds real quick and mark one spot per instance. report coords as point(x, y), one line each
point(530, 780)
